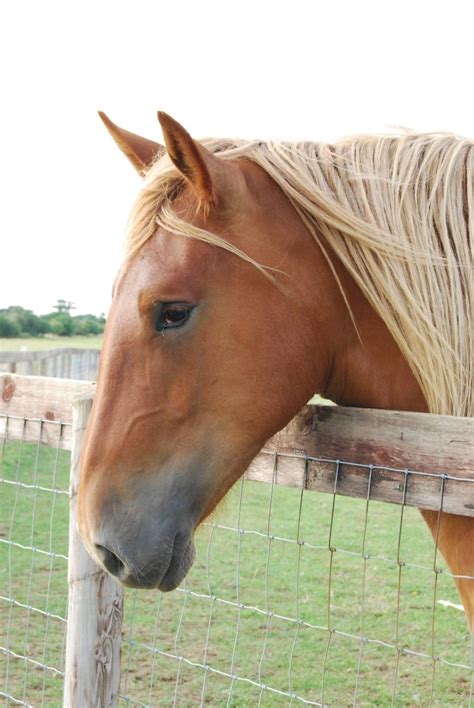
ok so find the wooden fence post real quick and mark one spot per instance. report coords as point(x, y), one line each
point(94, 625)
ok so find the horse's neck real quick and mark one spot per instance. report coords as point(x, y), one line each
point(368, 368)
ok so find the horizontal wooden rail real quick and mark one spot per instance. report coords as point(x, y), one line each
point(40, 408)
point(418, 459)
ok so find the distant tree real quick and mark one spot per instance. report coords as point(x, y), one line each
point(44, 324)
point(26, 321)
point(88, 324)
point(64, 306)
point(18, 322)
point(60, 323)
point(8, 328)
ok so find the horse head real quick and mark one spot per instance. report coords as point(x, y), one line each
point(216, 337)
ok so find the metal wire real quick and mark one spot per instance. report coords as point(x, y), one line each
point(288, 684)
point(226, 637)
point(34, 597)
point(268, 613)
point(238, 603)
point(300, 543)
point(363, 639)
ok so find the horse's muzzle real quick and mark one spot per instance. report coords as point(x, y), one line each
point(141, 531)
point(154, 563)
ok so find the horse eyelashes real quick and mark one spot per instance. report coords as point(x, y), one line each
point(172, 316)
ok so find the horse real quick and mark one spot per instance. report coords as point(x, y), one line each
point(257, 273)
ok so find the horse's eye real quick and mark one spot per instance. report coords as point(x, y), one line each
point(173, 315)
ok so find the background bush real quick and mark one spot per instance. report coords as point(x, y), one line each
point(15, 321)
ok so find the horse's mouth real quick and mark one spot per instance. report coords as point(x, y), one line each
point(181, 560)
point(164, 571)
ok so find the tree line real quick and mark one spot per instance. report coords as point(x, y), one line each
point(15, 321)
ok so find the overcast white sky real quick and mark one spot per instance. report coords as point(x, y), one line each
point(290, 69)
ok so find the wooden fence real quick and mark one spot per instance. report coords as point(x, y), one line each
point(64, 363)
point(384, 444)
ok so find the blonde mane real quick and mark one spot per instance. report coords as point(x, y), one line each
point(399, 213)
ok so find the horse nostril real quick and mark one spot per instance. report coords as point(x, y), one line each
point(110, 561)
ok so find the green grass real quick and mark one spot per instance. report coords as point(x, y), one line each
point(236, 614)
point(32, 344)
point(36, 519)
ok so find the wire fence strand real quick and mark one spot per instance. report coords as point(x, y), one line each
point(34, 500)
point(296, 597)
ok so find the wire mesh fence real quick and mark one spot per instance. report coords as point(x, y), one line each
point(296, 596)
point(299, 597)
point(33, 560)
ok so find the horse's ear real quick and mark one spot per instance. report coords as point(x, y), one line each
point(140, 151)
point(200, 167)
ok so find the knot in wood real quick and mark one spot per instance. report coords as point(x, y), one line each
point(8, 388)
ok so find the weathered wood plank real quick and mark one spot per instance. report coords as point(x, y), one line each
point(8, 357)
point(95, 608)
point(72, 363)
point(46, 403)
point(429, 445)
point(421, 441)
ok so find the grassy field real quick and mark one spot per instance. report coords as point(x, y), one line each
point(32, 344)
point(257, 605)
